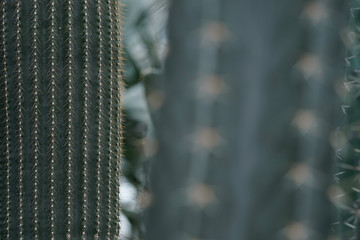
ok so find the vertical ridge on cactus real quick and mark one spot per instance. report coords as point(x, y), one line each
point(111, 128)
point(35, 110)
point(60, 127)
point(20, 114)
point(117, 68)
point(100, 115)
point(70, 112)
point(86, 123)
point(110, 122)
point(6, 140)
point(53, 103)
point(102, 76)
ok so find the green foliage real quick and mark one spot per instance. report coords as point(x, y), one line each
point(60, 119)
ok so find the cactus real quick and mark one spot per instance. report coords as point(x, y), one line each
point(348, 200)
point(60, 116)
point(243, 116)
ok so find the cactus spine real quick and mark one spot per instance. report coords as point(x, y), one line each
point(6, 133)
point(60, 119)
point(348, 201)
point(53, 133)
point(86, 134)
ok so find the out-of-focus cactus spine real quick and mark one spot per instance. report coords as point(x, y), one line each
point(60, 119)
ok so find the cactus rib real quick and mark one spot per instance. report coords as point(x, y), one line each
point(7, 118)
point(53, 104)
point(86, 112)
point(36, 110)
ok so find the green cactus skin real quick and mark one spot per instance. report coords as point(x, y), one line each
point(60, 114)
point(348, 224)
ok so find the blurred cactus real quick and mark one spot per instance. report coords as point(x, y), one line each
point(60, 119)
point(244, 115)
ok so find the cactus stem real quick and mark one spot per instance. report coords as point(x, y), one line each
point(60, 171)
